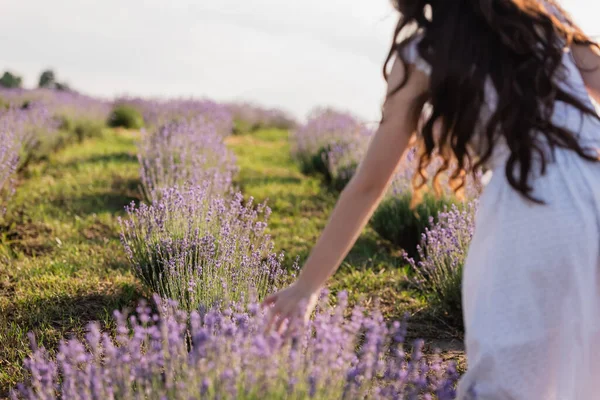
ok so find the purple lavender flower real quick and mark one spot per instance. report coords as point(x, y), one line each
point(67, 103)
point(184, 152)
point(443, 252)
point(31, 125)
point(332, 358)
point(331, 143)
point(200, 248)
point(9, 158)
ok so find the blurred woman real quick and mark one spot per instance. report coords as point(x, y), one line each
point(510, 86)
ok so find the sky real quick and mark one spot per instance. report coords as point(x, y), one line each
point(294, 55)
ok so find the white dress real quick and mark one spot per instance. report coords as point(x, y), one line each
point(531, 283)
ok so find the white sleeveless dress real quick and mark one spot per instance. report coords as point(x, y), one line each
point(531, 283)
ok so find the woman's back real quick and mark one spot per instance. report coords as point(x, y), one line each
point(531, 284)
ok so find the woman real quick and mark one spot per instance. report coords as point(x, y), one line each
point(510, 86)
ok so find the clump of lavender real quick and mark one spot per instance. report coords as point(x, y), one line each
point(403, 221)
point(228, 355)
point(33, 126)
point(158, 112)
point(443, 252)
point(251, 117)
point(61, 102)
point(184, 152)
point(9, 158)
point(331, 143)
point(78, 106)
point(200, 248)
point(71, 110)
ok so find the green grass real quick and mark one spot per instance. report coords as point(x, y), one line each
point(61, 263)
point(300, 204)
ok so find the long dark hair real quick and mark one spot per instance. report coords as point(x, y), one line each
point(519, 44)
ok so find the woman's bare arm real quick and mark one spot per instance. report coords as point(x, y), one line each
point(588, 62)
point(358, 200)
point(362, 195)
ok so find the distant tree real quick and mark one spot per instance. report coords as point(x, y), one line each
point(10, 81)
point(47, 79)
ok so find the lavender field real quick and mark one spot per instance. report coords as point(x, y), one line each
point(138, 237)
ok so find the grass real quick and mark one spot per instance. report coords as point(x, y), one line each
point(62, 265)
point(301, 204)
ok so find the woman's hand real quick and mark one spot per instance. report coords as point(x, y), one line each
point(293, 304)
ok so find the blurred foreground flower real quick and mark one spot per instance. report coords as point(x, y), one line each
point(227, 355)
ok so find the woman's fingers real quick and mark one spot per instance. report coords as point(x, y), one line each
point(285, 309)
point(273, 314)
point(282, 323)
point(270, 300)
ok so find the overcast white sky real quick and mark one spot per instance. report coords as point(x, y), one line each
point(292, 54)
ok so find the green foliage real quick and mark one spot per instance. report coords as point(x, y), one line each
point(335, 174)
point(319, 164)
point(445, 295)
point(4, 104)
point(316, 163)
point(43, 146)
point(47, 79)
point(125, 116)
point(395, 221)
point(10, 80)
point(240, 127)
point(343, 177)
point(82, 128)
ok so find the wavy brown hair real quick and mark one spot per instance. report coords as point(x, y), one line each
point(519, 44)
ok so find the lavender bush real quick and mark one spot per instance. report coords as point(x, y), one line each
point(403, 225)
point(332, 144)
point(67, 103)
point(49, 119)
point(125, 116)
point(33, 127)
point(228, 355)
point(443, 252)
point(9, 158)
point(249, 117)
point(199, 248)
point(401, 221)
point(184, 152)
point(157, 112)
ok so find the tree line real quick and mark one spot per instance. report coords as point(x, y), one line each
point(47, 80)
